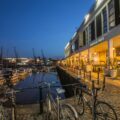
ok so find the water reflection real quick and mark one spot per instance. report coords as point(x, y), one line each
point(32, 95)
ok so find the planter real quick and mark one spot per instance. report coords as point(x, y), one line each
point(106, 72)
point(113, 73)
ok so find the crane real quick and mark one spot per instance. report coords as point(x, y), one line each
point(44, 59)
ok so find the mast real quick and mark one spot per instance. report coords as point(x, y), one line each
point(16, 55)
point(44, 59)
point(1, 57)
point(34, 56)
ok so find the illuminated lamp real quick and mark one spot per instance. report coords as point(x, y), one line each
point(113, 48)
point(98, 2)
point(87, 17)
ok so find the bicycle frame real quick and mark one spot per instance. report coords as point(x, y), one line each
point(52, 102)
point(93, 99)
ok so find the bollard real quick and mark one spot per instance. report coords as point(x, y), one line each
point(41, 100)
point(90, 75)
point(104, 83)
point(84, 74)
point(80, 72)
point(98, 79)
point(93, 100)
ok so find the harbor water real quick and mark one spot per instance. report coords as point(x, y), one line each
point(30, 87)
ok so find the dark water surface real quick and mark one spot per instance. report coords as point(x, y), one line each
point(31, 92)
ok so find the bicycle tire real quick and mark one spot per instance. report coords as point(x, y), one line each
point(102, 114)
point(79, 102)
point(50, 116)
point(68, 112)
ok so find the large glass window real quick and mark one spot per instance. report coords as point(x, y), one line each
point(117, 12)
point(111, 10)
point(105, 21)
point(84, 38)
point(89, 34)
point(99, 25)
point(93, 31)
point(76, 44)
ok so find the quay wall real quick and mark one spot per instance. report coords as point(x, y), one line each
point(66, 79)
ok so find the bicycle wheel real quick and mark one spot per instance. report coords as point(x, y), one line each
point(67, 112)
point(50, 116)
point(104, 111)
point(79, 102)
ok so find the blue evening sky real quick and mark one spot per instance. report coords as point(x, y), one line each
point(40, 24)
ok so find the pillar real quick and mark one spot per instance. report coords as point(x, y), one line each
point(110, 51)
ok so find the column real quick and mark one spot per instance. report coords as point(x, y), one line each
point(110, 51)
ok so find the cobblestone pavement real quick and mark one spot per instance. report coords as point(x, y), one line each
point(110, 95)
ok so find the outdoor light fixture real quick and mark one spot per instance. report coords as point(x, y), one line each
point(113, 48)
point(87, 17)
point(98, 2)
point(95, 53)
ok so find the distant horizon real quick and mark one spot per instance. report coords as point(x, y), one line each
point(40, 24)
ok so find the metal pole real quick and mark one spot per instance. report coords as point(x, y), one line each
point(13, 106)
point(98, 79)
point(40, 100)
point(93, 101)
point(90, 75)
point(104, 83)
point(84, 74)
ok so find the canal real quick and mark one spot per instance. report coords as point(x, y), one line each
point(30, 93)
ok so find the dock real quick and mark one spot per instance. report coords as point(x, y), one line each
point(111, 91)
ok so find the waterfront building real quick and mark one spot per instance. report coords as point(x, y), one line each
point(97, 40)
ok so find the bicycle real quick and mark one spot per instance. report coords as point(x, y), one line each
point(56, 109)
point(100, 110)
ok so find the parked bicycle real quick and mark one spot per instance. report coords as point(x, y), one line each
point(100, 110)
point(55, 108)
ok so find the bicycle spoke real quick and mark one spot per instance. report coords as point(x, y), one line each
point(106, 111)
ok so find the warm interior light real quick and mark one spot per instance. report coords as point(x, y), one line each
point(113, 48)
point(95, 53)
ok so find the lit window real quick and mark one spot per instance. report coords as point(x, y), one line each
point(111, 14)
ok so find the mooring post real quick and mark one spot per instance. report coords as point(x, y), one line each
point(98, 79)
point(80, 72)
point(84, 74)
point(40, 100)
point(104, 83)
point(90, 75)
point(93, 100)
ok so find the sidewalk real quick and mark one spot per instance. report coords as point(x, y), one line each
point(111, 94)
